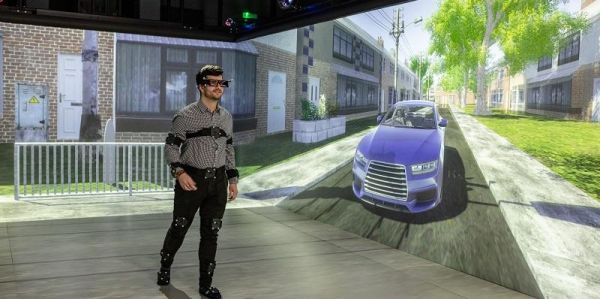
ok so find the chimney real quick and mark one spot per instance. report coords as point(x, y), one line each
point(380, 42)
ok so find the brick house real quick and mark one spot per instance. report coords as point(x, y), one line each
point(44, 57)
point(143, 80)
point(505, 91)
point(568, 85)
point(162, 70)
point(347, 61)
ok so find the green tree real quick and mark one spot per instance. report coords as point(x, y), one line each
point(453, 79)
point(421, 65)
point(525, 30)
point(455, 31)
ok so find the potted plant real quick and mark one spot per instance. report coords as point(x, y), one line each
point(318, 121)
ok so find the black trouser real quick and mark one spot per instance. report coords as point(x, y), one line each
point(210, 197)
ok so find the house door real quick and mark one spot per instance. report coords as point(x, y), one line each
point(276, 102)
point(314, 84)
point(69, 96)
point(596, 103)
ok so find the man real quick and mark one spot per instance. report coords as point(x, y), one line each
point(200, 151)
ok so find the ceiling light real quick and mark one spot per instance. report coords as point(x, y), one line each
point(286, 4)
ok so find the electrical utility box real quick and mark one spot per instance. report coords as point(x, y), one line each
point(32, 113)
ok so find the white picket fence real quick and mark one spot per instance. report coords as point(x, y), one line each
point(45, 169)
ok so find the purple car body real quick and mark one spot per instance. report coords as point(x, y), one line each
point(399, 166)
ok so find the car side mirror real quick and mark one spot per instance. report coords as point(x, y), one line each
point(379, 118)
point(443, 123)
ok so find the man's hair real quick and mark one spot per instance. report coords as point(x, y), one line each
point(208, 70)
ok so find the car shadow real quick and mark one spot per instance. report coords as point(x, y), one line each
point(576, 214)
point(454, 195)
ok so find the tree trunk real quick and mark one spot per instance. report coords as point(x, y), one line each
point(90, 120)
point(464, 91)
point(481, 107)
point(491, 23)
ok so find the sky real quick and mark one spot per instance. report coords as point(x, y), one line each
point(416, 39)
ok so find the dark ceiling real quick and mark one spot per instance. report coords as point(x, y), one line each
point(199, 19)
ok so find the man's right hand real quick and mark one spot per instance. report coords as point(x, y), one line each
point(186, 182)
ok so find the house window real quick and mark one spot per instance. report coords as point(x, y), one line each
point(367, 57)
point(206, 57)
point(534, 96)
point(176, 90)
point(544, 63)
point(239, 99)
point(557, 96)
point(177, 55)
point(352, 93)
point(1, 76)
point(138, 83)
point(497, 98)
point(370, 95)
point(158, 80)
point(342, 44)
point(553, 97)
point(571, 50)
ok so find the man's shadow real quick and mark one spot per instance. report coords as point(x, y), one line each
point(173, 293)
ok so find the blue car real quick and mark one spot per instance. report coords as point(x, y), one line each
point(399, 166)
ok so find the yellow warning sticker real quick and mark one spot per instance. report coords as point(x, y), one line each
point(33, 100)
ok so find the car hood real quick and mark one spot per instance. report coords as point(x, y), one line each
point(401, 145)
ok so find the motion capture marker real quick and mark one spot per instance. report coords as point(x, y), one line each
point(216, 224)
point(180, 222)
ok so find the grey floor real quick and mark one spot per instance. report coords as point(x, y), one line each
point(264, 253)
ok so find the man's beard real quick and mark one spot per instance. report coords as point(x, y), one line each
point(214, 97)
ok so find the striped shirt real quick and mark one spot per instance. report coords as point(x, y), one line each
point(204, 151)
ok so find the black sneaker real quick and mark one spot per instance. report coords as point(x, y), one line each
point(210, 293)
point(163, 277)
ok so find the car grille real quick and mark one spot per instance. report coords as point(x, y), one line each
point(386, 179)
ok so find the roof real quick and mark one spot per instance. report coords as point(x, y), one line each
point(244, 46)
point(346, 71)
point(552, 74)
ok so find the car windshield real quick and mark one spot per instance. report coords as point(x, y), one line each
point(419, 117)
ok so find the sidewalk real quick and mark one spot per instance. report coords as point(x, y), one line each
point(264, 188)
point(555, 224)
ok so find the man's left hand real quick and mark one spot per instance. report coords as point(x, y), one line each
point(233, 191)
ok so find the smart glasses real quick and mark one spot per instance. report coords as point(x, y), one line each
point(215, 83)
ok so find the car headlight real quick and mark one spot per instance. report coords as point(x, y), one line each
point(423, 167)
point(360, 160)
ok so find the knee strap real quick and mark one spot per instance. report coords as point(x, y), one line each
point(180, 223)
point(216, 224)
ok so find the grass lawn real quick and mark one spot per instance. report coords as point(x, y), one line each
point(270, 150)
point(569, 148)
point(264, 152)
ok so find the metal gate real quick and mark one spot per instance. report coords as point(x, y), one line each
point(78, 168)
